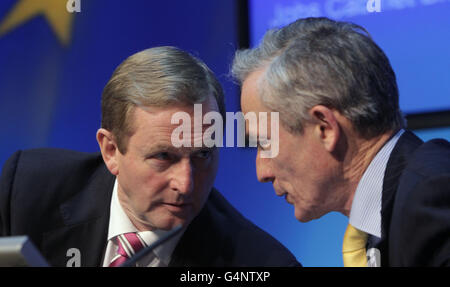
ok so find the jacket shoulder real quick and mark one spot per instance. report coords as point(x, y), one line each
point(55, 164)
point(422, 207)
point(35, 182)
point(431, 158)
point(53, 159)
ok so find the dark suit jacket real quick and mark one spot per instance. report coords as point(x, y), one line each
point(61, 200)
point(415, 213)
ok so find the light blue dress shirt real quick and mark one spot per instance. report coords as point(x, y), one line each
point(365, 213)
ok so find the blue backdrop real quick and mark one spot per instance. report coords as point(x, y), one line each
point(54, 65)
point(415, 35)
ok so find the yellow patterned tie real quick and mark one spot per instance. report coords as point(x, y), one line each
point(354, 248)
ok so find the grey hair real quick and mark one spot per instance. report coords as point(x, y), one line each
point(158, 77)
point(318, 61)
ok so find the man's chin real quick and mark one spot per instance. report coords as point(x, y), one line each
point(303, 219)
point(167, 218)
point(172, 222)
point(303, 216)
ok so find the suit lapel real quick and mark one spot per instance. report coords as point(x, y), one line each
point(405, 146)
point(86, 219)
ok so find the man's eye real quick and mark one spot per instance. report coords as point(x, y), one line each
point(162, 156)
point(204, 154)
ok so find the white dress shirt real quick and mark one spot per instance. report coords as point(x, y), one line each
point(119, 223)
point(365, 213)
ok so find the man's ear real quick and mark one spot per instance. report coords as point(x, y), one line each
point(326, 127)
point(109, 150)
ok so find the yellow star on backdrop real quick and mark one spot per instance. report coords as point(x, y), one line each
point(53, 10)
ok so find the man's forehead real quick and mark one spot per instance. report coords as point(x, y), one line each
point(168, 111)
point(162, 118)
point(250, 95)
point(157, 125)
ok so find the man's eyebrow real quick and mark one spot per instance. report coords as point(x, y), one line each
point(178, 150)
point(159, 148)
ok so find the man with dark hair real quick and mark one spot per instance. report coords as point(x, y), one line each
point(342, 143)
point(109, 206)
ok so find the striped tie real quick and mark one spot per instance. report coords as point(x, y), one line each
point(129, 244)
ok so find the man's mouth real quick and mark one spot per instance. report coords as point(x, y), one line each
point(281, 192)
point(278, 191)
point(287, 198)
point(178, 207)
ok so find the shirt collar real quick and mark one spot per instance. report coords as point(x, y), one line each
point(365, 213)
point(119, 223)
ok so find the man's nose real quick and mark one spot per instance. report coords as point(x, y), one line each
point(183, 180)
point(264, 171)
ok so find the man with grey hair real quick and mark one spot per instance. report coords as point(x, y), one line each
point(343, 144)
point(100, 209)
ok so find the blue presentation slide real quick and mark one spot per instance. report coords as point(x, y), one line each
point(415, 35)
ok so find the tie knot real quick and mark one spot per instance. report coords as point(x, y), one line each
point(129, 244)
